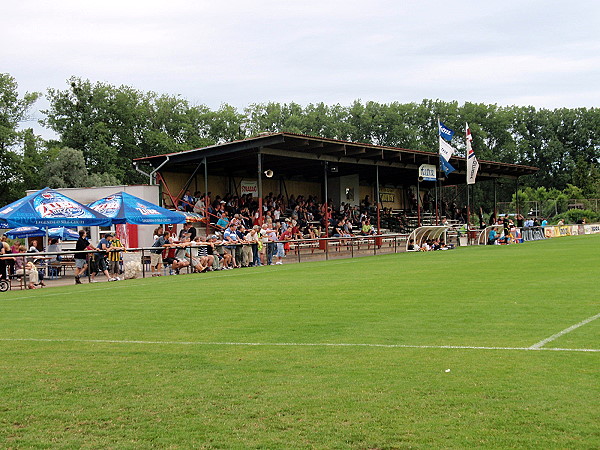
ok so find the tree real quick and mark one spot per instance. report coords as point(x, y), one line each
point(13, 110)
point(66, 168)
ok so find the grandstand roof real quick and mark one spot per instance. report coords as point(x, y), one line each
point(297, 156)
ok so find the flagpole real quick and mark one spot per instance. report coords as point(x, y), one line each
point(467, 180)
point(436, 178)
point(468, 214)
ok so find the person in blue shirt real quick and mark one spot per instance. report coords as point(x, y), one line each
point(230, 236)
point(223, 222)
point(101, 264)
point(492, 237)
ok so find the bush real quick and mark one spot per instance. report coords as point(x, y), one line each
point(575, 215)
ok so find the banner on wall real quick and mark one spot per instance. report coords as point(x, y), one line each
point(592, 229)
point(249, 187)
point(386, 195)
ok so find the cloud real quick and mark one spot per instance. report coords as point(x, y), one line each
point(243, 52)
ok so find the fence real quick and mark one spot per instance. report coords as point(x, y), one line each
point(135, 262)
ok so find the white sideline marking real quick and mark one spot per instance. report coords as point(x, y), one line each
point(297, 344)
point(563, 332)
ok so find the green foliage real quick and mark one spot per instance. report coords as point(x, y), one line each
point(573, 216)
point(66, 168)
point(112, 125)
point(13, 111)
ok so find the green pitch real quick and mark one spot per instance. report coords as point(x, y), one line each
point(493, 346)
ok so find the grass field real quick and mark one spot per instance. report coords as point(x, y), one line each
point(464, 348)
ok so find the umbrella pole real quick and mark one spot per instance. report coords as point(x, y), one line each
point(46, 249)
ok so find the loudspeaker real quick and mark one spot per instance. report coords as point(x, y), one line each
point(269, 173)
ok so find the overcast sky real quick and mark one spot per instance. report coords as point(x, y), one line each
point(540, 53)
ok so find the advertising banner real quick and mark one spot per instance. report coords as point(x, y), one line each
point(249, 187)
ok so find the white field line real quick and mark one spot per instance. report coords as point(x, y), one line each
point(540, 344)
point(294, 344)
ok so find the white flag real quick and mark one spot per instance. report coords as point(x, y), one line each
point(446, 150)
point(472, 163)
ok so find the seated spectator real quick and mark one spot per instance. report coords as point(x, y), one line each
point(225, 257)
point(205, 251)
point(29, 270)
point(492, 237)
point(412, 246)
point(53, 247)
point(7, 263)
point(33, 248)
point(187, 202)
point(367, 229)
point(199, 206)
point(223, 221)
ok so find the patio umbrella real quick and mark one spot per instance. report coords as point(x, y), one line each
point(126, 208)
point(63, 233)
point(25, 232)
point(48, 207)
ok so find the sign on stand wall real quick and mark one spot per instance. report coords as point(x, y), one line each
point(428, 172)
point(249, 187)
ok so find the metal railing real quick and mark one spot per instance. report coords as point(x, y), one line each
point(297, 250)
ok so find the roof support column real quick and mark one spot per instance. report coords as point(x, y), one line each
point(260, 193)
point(377, 199)
point(206, 196)
point(326, 203)
point(495, 202)
point(517, 196)
point(418, 202)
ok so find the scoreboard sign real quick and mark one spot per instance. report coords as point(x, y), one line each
point(428, 172)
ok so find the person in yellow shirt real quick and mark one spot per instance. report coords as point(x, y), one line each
point(114, 257)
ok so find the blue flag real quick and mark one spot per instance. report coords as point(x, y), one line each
point(446, 166)
point(444, 131)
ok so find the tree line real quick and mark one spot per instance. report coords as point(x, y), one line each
point(101, 128)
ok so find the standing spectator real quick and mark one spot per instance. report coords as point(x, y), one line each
point(114, 257)
point(101, 254)
point(271, 245)
point(6, 261)
point(81, 258)
point(156, 261)
point(231, 237)
point(252, 237)
point(188, 231)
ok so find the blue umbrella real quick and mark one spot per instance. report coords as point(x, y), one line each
point(47, 207)
point(126, 208)
point(25, 232)
point(64, 234)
